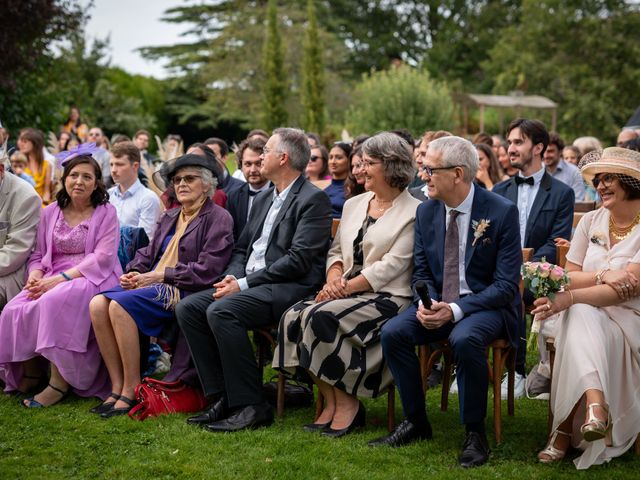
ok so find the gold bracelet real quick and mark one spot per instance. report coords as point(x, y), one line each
point(571, 295)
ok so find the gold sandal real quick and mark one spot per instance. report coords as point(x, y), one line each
point(595, 429)
point(553, 454)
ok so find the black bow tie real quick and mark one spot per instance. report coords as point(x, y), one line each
point(520, 180)
point(253, 193)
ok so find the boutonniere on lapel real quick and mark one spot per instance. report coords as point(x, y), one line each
point(598, 238)
point(479, 227)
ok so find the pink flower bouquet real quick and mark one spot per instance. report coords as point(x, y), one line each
point(543, 279)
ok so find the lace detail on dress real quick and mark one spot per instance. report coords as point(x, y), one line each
point(69, 242)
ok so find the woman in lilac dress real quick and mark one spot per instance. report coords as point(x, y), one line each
point(76, 256)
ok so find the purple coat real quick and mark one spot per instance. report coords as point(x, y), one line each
point(203, 253)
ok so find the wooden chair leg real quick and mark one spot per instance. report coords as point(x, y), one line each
point(391, 408)
point(497, 401)
point(446, 380)
point(511, 359)
point(280, 396)
point(552, 357)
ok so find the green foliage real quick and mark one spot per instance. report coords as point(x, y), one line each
point(313, 75)
point(577, 53)
point(274, 86)
point(401, 97)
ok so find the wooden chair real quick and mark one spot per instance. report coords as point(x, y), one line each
point(265, 334)
point(334, 227)
point(583, 207)
point(503, 354)
point(577, 216)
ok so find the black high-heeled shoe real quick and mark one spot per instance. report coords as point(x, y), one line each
point(358, 421)
point(316, 427)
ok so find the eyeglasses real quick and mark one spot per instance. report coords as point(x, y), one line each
point(313, 158)
point(266, 150)
point(430, 170)
point(368, 163)
point(606, 179)
point(188, 179)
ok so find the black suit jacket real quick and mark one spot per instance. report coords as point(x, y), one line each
point(229, 184)
point(238, 207)
point(551, 214)
point(416, 192)
point(296, 253)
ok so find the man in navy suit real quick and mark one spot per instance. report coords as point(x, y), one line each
point(467, 252)
point(240, 201)
point(545, 207)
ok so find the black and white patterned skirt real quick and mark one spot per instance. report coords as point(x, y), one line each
point(339, 341)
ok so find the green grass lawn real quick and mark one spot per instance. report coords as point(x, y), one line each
point(67, 441)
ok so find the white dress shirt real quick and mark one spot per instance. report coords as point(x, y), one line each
point(256, 260)
point(463, 220)
point(266, 186)
point(526, 196)
point(136, 207)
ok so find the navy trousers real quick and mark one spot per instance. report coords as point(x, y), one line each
point(468, 338)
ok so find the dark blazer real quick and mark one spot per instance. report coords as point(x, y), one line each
point(203, 252)
point(229, 184)
point(551, 214)
point(238, 207)
point(416, 192)
point(297, 250)
point(492, 264)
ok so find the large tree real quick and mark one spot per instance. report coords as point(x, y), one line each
point(274, 86)
point(580, 54)
point(313, 74)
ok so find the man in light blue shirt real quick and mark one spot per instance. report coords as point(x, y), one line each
point(137, 206)
point(561, 170)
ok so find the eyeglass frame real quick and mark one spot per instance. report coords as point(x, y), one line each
point(429, 171)
point(606, 183)
point(177, 180)
point(266, 150)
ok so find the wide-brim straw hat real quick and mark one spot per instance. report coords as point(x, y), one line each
point(612, 160)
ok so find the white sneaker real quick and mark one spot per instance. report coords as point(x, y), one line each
point(518, 386)
point(453, 390)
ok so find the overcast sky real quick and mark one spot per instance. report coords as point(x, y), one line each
point(133, 24)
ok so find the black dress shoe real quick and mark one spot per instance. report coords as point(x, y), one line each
point(315, 427)
point(358, 421)
point(217, 411)
point(114, 412)
point(404, 434)
point(251, 416)
point(475, 450)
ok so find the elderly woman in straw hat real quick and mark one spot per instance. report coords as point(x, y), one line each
point(596, 378)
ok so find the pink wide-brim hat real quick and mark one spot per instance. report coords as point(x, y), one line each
point(611, 160)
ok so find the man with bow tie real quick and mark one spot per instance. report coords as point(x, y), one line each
point(545, 207)
point(278, 259)
point(467, 252)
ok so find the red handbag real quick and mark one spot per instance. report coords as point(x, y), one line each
point(156, 397)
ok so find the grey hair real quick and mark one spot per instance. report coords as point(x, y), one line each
point(457, 151)
point(207, 177)
point(396, 156)
point(294, 143)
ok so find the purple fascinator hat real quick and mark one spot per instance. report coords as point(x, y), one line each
point(84, 149)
